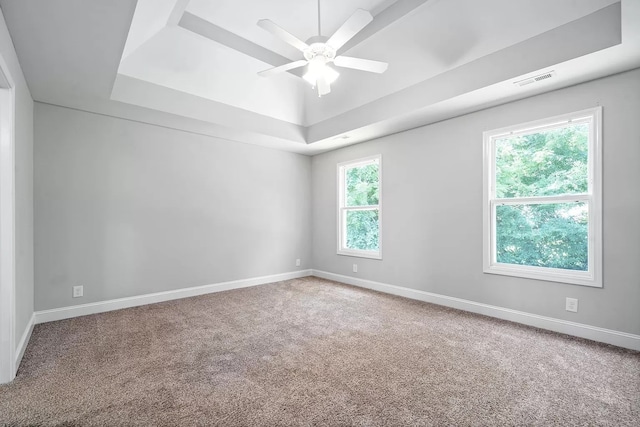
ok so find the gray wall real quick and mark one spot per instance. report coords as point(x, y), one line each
point(432, 209)
point(125, 208)
point(23, 184)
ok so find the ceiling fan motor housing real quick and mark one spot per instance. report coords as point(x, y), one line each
point(319, 49)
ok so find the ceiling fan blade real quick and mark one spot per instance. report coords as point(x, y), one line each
point(361, 64)
point(350, 28)
point(282, 34)
point(283, 68)
point(323, 86)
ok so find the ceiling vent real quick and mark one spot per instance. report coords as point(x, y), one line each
point(536, 79)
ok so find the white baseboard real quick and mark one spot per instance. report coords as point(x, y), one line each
point(24, 340)
point(117, 304)
point(608, 336)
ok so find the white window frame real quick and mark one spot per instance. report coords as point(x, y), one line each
point(593, 198)
point(342, 208)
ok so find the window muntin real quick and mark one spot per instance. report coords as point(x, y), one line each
point(543, 201)
point(359, 214)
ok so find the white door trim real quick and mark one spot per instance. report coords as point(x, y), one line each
point(7, 225)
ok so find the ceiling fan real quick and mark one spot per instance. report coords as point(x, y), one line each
point(319, 51)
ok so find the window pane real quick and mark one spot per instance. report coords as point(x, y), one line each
point(362, 185)
point(362, 230)
point(544, 163)
point(543, 235)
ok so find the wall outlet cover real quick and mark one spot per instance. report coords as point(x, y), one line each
point(355, 268)
point(298, 262)
point(572, 305)
point(78, 291)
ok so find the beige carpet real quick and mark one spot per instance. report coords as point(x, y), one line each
point(314, 352)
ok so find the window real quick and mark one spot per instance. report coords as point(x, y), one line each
point(359, 203)
point(542, 188)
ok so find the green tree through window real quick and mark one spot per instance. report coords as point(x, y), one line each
point(543, 199)
point(360, 207)
point(547, 163)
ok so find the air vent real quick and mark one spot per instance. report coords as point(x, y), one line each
point(535, 79)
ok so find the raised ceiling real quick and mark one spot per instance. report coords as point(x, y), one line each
point(192, 64)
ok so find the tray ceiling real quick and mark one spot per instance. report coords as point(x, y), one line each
point(192, 64)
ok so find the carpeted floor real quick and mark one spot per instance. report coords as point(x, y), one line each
point(314, 352)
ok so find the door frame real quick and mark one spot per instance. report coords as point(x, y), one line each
point(7, 225)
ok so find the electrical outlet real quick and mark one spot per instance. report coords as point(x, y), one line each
point(355, 268)
point(298, 262)
point(572, 305)
point(78, 291)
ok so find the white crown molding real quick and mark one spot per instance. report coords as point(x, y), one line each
point(120, 303)
point(608, 336)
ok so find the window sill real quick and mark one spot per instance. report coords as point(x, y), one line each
point(547, 274)
point(361, 254)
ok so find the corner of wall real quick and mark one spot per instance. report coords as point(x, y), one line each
point(24, 223)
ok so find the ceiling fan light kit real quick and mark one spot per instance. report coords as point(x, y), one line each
point(319, 52)
point(319, 74)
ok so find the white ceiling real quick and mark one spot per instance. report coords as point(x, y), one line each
point(192, 64)
point(299, 17)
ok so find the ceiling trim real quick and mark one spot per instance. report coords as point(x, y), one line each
point(149, 95)
point(591, 33)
